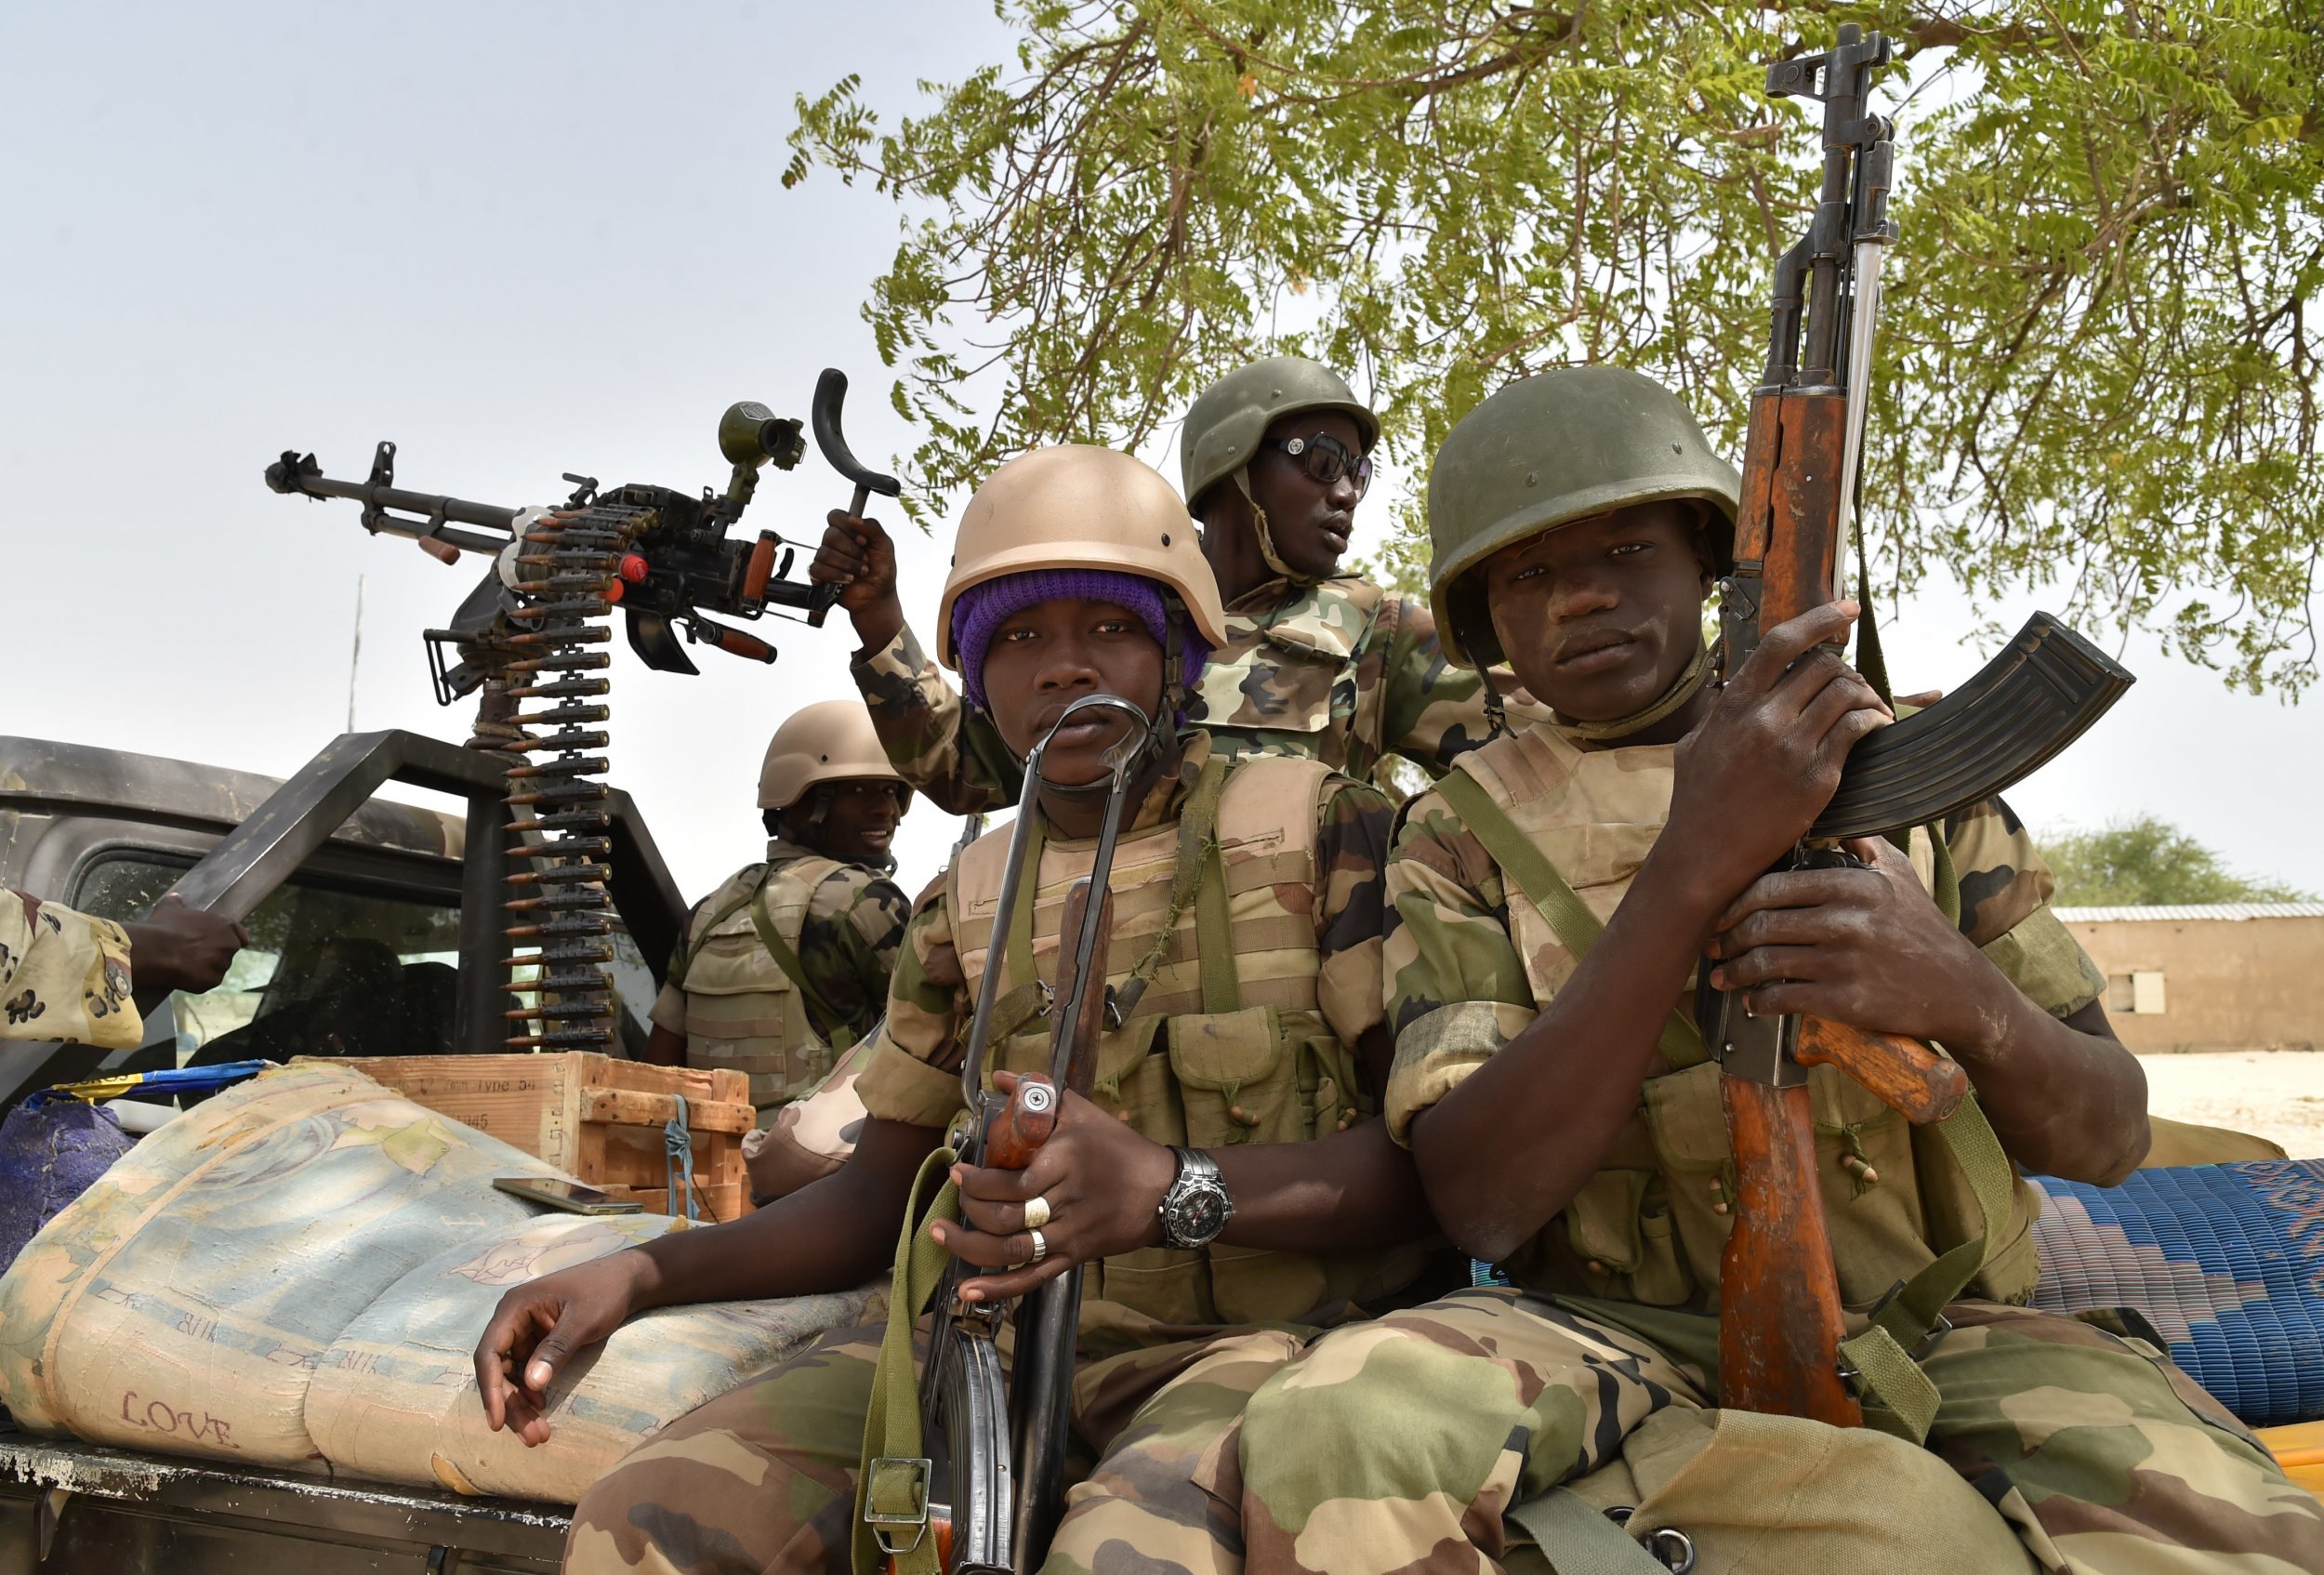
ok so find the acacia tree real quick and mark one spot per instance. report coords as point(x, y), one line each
point(2100, 354)
point(2146, 860)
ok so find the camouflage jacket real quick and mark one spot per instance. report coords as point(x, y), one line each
point(1343, 671)
point(65, 975)
point(1470, 964)
point(849, 933)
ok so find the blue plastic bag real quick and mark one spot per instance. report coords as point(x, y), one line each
point(52, 1149)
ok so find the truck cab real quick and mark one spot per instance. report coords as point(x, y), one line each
point(375, 930)
point(378, 938)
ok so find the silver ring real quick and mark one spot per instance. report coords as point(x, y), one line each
point(1040, 1247)
point(1036, 1213)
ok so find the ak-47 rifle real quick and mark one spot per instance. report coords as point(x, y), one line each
point(991, 1472)
point(1780, 1315)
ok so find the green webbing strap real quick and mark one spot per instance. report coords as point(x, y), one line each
point(892, 1475)
point(1577, 1538)
point(1944, 880)
point(836, 1033)
point(1681, 1042)
point(1197, 854)
point(1214, 940)
point(1026, 996)
point(1886, 1356)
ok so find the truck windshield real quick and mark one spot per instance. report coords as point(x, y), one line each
point(331, 970)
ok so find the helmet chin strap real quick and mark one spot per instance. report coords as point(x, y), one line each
point(1265, 532)
point(1682, 688)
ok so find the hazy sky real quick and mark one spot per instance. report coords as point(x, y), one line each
point(522, 239)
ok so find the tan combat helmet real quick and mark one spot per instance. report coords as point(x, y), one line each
point(1230, 418)
point(1077, 506)
point(829, 741)
point(1549, 450)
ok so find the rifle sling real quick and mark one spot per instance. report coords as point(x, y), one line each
point(1884, 1357)
point(893, 1472)
point(1538, 879)
point(1577, 1538)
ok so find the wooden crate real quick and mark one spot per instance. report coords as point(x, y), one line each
point(597, 1118)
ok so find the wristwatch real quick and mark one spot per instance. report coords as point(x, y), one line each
point(1197, 1208)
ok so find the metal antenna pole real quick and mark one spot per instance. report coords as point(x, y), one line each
point(355, 655)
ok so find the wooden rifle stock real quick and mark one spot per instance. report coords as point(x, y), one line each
point(1905, 1074)
point(1780, 1314)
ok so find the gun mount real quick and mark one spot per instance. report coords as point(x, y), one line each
point(530, 631)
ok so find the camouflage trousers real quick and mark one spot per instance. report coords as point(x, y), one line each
point(763, 1477)
point(1398, 1444)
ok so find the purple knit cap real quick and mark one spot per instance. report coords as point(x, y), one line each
point(978, 612)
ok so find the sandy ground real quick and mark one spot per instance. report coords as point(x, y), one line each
point(2277, 1095)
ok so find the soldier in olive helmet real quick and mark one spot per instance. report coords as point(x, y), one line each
point(1275, 456)
point(786, 965)
point(1549, 901)
point(1224, 1183)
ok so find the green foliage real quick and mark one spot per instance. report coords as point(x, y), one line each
point(2100, 362)
point(2148, 860)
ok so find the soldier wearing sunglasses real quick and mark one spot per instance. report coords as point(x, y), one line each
point(1274, 458)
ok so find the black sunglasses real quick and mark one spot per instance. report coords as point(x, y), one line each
point(1325, 459)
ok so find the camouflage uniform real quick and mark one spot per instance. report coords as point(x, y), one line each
point(65, 975)
point(736, 1005)
point(1171, 1340)
point(2098, 1453)
point(1340, 671)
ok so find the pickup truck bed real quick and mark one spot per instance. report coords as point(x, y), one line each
point(68, 1508)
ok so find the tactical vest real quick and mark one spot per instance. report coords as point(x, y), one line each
point(1650, 1225)
point(743, 1008)
point(1286, 683)
point(1228, 1044)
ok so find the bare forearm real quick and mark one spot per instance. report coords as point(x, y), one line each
point(2065, 1097)
point(1353, 1189)
point(666, 1047)
point(1510, 1146)
point(832, 1235)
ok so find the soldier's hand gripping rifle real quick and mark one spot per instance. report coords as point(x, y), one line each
point(985, 1490)
point(1780, 1315)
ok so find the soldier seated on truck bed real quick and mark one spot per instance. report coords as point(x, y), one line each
point(1567, 1123)
point(65, 975)
point(783, 969)
point(1274, 458)
point(1225, 1180)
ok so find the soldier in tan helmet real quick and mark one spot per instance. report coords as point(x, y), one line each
point(786, 965)
point(1274, 458)
point(1225, 1183)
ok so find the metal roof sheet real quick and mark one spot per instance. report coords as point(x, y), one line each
point(2183, 912)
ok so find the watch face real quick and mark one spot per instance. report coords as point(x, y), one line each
point(1199, 1214)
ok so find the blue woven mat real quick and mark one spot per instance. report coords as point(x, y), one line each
point(2225, 1261)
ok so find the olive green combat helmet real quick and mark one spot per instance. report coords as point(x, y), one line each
point(1562, 445)
point(1230, 418)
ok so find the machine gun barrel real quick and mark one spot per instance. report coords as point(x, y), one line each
point(437, 515)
